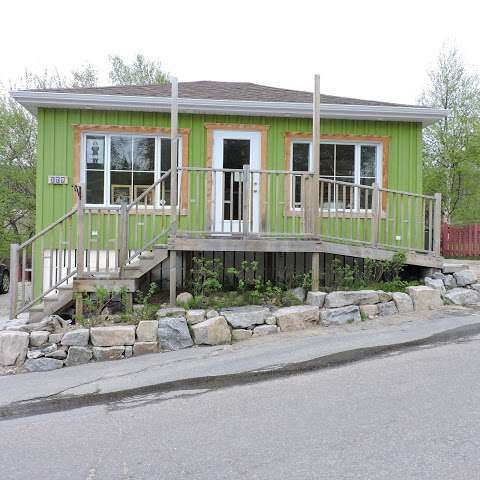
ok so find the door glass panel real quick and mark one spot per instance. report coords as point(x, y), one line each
point(236, 154)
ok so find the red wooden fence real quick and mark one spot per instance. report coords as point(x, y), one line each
point(460, 241)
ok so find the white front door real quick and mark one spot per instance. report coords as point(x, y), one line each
point(233, 150)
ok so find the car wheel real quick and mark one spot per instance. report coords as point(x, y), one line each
point(5, 283)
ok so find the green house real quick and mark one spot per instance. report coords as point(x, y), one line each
point(248, 178)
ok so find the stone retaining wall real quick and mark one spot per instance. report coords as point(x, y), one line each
point(54, 343)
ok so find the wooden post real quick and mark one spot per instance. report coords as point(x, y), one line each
point(14, 261)
point(437, 223)
point(246, 200)
point(123, 239)
point(376, 214)
point(173, 277)
point(78, 305)
point(316, 180)
point(80, 190)
point(173, 156)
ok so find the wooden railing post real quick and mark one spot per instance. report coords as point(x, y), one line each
point(437, 223)
point(246, 201)
point(376, 214)
point(80, 190)
point(123, 238)
point(173, 156)
point(14, 261)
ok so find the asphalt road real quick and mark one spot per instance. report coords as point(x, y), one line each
point(414, 414)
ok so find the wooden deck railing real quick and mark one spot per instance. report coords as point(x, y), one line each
point(460, 240)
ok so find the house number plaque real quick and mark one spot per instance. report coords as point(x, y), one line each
point(57, 180)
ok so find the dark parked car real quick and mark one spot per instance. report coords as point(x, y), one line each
point(4, 279)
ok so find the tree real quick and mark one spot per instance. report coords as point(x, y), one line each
point(141, 72)
point(450, 163)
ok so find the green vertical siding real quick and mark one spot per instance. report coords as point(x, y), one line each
point(56, 144)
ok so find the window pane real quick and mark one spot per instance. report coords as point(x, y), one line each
point(326, 160)
point(95, 152)
point(367, 161)
point(120, 188)
point(300, 157)
point(297, 191)
point(141, 181)
point(121, 153)
point(144, 154)
point(345, 160)
point(165, 152)
point(95, 187)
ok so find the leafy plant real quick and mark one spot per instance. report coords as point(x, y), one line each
point(205, 276)
point(146, 311)
point(93, 307)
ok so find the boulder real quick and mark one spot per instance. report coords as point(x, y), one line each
point(245, 317)
point(387, 308)
point(147, 330)
point(173, 333)
point(384, 296)
point(439, 275)
point(475, 286)
point(435, 283)
point(271, 320)
point(78, 337)
point(453, 267)
point(465, 277)
point(358, 297)
point(49, 348)
point(196, 316)
point(108, 353)
point(59, 354)
point(52, 324)
point(369, 311)
point(211, 314)
point(171, 312)
point(239, 334)
point(449, 281)
point(340, 315)
point(35, 353)
point(262, 330)
point(424, 298)
point(316, 299)
point(128, 351)
point(42, 364)
point(111, 336)
point(55, 338)
point(296, 317)
point(213, 331)
point(462, 296)
point(78, 355)
point(184, 299)
point(37, 339)
point(13, 347)
point(297, 293)
point(403, 302)
point(141, 348)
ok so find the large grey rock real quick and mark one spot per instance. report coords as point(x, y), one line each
point(439, 275)
point(173, 333)
point(147, 330)
point(369, 311)
point(53, 324)
point(213, 331)
point(271, 320)
point(453, 267)
point(403, 301)
point(196, 316)
point(128, 351)
point(55, 337)
point(465, 277)
point(35, 353)
point(384, 296)
point(340, 315)
point(78, 355)
point(211, 314)
point(316, 299)
point(475, 286)
point(463, 296)
point(171, 312)
point(449, 281)
point(239, 334)
point(262, 330)
point(57, 354)
point(111, 336)
point(78, 337)
point(108, 353)
point(297, 293)
point(435, 283)
point(184, 299)
point(245, 317)
point(37, 339)
point(141, 348)
point(42, 364)
point(387, 308)
point(296, 317)
point(13, 347)
point(358, 297)
point(424, 298)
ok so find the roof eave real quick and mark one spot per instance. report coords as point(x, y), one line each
point(33, 100)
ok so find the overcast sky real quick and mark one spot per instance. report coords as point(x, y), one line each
point(367, 49)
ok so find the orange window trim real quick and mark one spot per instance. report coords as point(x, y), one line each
point(79, 129)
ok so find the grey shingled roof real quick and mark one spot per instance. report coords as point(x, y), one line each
point(222, 91)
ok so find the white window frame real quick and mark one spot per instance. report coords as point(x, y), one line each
point(357, 158)
point(107, 164)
